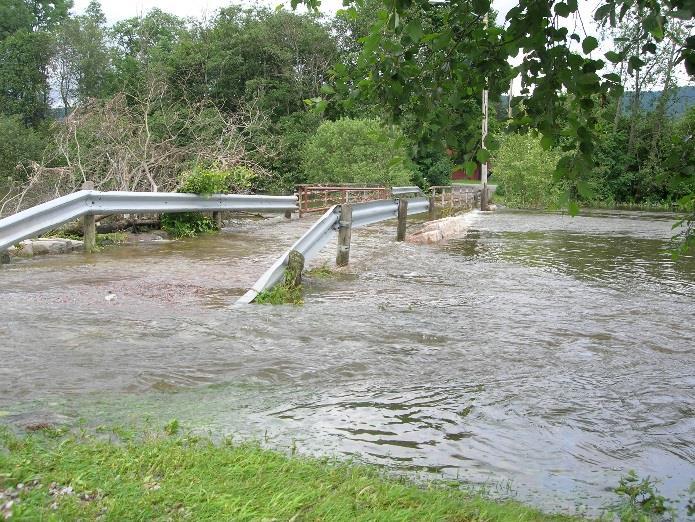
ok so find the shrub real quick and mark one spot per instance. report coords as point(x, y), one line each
point(20, 144)
point(196, 181)
point(204, 181)
point(357, 151)
point(435, 170)
point(523, 172)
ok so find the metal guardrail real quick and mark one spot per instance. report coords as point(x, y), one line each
point(33, 221)
point(401, 191)
point(322, 231)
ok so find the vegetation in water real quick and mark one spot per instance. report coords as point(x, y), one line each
point(121, 475)
point(281, 294)
point(322, 271)
point(112, 238)
point(640, 500)
point(186, 224)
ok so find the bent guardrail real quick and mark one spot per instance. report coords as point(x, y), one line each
point(47, 216)
point(321, 232)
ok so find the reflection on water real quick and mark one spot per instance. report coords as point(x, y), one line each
point(552, 352)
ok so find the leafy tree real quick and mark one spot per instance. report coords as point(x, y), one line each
point(524, 172)
point(20, 145)
point(24, 91)
point(357, 151)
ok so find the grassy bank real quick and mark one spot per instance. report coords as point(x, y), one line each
point(182, 477)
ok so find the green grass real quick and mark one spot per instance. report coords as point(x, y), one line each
point(320, 272)
point(280, 294)
point(155, 476)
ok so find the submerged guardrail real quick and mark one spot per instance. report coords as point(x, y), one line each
point(47, 216)
point(321, 232)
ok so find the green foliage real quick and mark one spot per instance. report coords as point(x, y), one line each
point(523, 172)
point(24, 59)
point(641, 500)
point(186, 224)
point(357, 151)
point(280, 294)
point(20, 145)
point(205, 181)
point(434, 169)
point(153, 476)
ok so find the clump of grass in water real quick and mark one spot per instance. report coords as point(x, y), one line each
point(281, 294)
point(322, 271)
point(155, 476)
point(290, 291)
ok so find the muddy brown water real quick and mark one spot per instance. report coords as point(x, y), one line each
point(541, 355)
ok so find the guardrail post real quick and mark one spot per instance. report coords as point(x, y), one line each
point(432, 210)
point(483, 198)
point(402, 217)
point(217, 219)
point(344, 235)
point(293, 272)
point(89, 225)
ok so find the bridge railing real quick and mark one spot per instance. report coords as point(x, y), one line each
point(50, 215)
point(456, 196)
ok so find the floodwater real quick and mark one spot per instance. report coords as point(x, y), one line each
point(541, 355)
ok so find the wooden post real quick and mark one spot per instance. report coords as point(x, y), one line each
point(89, 225)
point(402, 217)
point(293, 272)
point(432, 211)
point(344, 235)
point(217, 219)
point(483, 198)
point(4, 258)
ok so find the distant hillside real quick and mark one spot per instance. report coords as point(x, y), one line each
point(683, 98)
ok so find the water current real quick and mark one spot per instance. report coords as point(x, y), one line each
point(541, 355)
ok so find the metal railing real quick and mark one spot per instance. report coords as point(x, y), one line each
point(47, 216)
point(319, 198)
point(456, 195)
point(321, 232)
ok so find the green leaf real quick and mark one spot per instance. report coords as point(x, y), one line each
point(562, 9)
point(470, 167)
point(413, 30)
point(573, 208)
point(482, 155)
point(585, 189)
point(327, 89)
point(589, 44)
point(547, 142)
point(602, 12)
point(613, 57)
point(612, 77)
point(481, 7)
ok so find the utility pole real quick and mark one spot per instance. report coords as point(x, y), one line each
point(483, 166)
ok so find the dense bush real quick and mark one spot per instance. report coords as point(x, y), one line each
point(196, 181)
point(204, 181)
point(20, 145)
point(523, 172)
point(434, 170)
point(357, 151)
